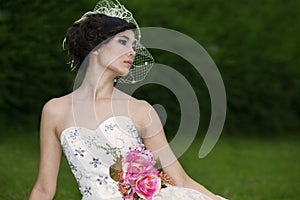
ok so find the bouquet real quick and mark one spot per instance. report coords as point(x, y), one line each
point(137, 175)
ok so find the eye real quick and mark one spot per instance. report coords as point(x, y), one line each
point(123, 42)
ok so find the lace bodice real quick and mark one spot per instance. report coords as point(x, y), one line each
point(90, 154)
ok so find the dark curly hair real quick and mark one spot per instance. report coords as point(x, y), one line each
point(83, 36)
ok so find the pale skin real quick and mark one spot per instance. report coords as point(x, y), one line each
point(97, 87)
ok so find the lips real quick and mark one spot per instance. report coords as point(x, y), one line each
point(129, 62)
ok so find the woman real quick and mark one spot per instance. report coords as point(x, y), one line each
point(96, 121)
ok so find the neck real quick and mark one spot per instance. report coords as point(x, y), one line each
point(98, 83)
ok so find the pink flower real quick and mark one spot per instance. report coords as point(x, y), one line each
point(132, 171)
point(136, 163)
point(147, 186)
point(139, 178)
point(140, 156)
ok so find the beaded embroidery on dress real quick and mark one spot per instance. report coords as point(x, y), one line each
point(90, 154)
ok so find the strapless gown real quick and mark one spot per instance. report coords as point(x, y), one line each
point(89, 154)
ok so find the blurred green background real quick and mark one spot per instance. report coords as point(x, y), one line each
point(255, 45)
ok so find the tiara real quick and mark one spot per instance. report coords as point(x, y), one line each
point(112, 8)
point(143, 61)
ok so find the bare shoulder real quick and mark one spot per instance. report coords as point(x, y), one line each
point(56, 105)
point(140, 106)
point(54, 113)
point(141, 111)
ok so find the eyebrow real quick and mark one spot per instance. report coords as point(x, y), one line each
point(124, 36)
point(127, 38)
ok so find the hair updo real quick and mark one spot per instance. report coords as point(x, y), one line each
point(83, 36)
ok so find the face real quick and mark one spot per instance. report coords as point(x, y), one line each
point(118, 54)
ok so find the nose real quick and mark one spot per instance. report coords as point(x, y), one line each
point(132, 52)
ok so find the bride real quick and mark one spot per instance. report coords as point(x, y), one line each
point(97, 121)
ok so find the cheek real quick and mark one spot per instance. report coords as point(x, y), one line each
point(115, 63)
point(119, 68)
point(106, 59)
point(111, 57)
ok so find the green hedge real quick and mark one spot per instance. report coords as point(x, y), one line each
point(254, 44)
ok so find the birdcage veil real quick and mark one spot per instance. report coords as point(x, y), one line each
point(143, 60)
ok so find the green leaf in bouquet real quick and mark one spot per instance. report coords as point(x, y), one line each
point(158, 165)
point(115, 169)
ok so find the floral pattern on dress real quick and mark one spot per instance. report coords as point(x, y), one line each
point(102, 179)
point(79, 152)
point(91, 140)
point(95, 162)
point(87, 191)
point(110, 127)
point(90, 154)
point(73, 135)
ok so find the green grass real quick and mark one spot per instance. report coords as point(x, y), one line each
point(243, 168)
point(19, 162)
point(237, 168)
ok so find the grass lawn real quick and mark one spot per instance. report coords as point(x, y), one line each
point(237, 168)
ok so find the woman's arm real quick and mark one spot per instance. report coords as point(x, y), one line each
point(154, 139)
point(50, 155)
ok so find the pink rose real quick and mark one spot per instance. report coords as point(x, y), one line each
point(132, 171)
point(138, 176)
point(144, 157)
point(147, 186)
point(136, 163)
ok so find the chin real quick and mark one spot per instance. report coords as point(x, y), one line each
point(125, 73)
point(120, 72)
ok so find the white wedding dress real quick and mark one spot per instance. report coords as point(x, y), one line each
point(89, 153)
